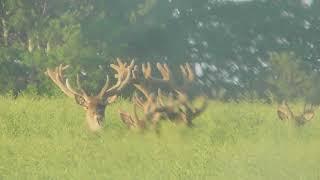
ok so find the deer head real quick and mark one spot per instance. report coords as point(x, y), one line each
point(285, 113)
point(93, 105)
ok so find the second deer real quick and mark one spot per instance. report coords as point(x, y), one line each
point(155, 105)
point(286, 114)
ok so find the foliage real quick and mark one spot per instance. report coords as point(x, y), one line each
point(289, 77)
point(244, 138)
point(231, 41)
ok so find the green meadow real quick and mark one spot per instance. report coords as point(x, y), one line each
point(46, 138)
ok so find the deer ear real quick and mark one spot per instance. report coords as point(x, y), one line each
point(111, 99)
point(80, 100)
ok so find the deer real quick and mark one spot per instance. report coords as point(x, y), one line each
point(153, 109)
point(286, 114)
point(175, 106)
point(94, 106)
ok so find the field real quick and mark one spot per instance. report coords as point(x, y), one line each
point(47, 139)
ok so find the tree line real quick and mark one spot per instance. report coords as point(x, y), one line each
point(253, 49)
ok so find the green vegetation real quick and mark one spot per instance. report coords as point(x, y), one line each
point(233, 41)
point(46, 139)
point(249, 55)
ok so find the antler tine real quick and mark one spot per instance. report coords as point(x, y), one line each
point(187, 72)
point(169, 101)
point(126, 80)
point(56, 76)
point(80, 86)
point(159, 98)
point(305, 107)
point(136, 100)
point(184, 71)
point(190, 72)
point(122, 70)
point(133, 121)
point(283, 111)
point(119, 68)
point(289, 109)
point(119, 61)
point(135, 113)
point(164, 71)
point(73, 91)
point(104, 88)
point(143, 90)
point(150, 108)
point(146, 70)
point(134, 72)
point(150, 104)
point(59, 70)
point(308, 108)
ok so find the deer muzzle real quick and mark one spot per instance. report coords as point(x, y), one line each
point(95, 121)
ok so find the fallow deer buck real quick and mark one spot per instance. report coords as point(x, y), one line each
point(175, 106)
point(93, 105)
point(286, 114)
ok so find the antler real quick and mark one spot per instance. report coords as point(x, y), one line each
point(307, 114)
point(188, 109)
point(132, 121)
point(166, 79)
point(93, 105)
point(123, 77)
point(150, 113)
point(175, 105)
point(164, 71)
point(285, 113)
point(187, 72)
point(56, 75)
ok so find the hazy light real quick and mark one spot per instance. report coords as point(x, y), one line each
point(307, 3)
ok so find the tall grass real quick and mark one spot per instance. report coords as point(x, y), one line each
point(47, 139)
